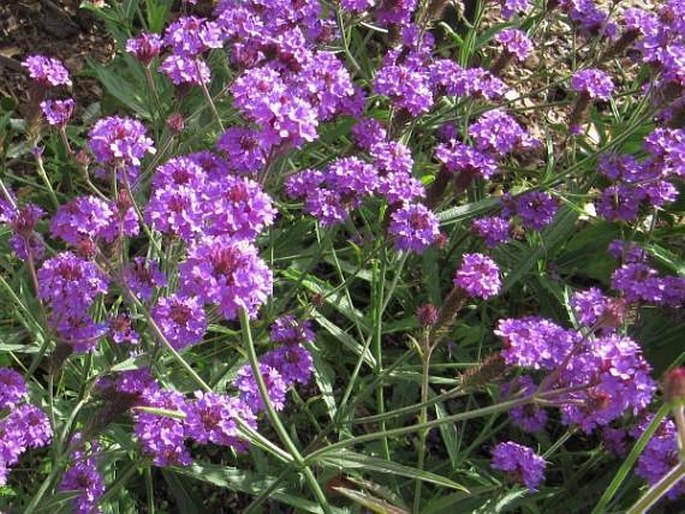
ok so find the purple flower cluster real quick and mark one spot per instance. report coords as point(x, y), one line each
point(589, 17)
point(181, 320)
point(276, 388)
point(478, 276)
point(414, 228)
point(142, 276)
point(465, 160)
point(25, 241)
point(535, 209)
point(120, 143)
point(494, 230)
point(57, 112)
point(521, 463)
point(91, 219)
point(594, 83)
point(640, 283)
point(660, 455)
point(447, 77)
point(228, 273)
point(499, 133)
point(194, 196)
point(515, 42)
point(82, 475)
point(289, 330)
point(608, 375)
point(47, 71)
point(70, 285)
point(24, 426)
point(145, 47)
point(165, 420)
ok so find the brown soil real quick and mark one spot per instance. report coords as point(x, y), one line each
point(56, 28)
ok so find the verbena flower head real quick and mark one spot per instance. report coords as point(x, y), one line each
point(516, 42)
point(211, 418)
point(512, 7)
point(121, 329)
point(595, 83)
point(407, 87)
point(534, 343)
point(182, 69)
point(116, 140)
point(70, 283)
point(536, 209)
point(293, 361)
point(245, 149)
point(391, 157)
point(57, 112)
point(24, 427)
point(47, 70)
point(463, 159)
point(191, 35)
point(495, 230)
point(448, 77)
point(91, 218)
point(414, 228)
point(521, 463)
point(638, 282)
point(181, 319)
point(276, 387)
point(236, 207)
point(400, 187)
point(660, 455)
point(618, 380)
point(227, 273)
point(288, 329)
point(142, 276)
point(479, 276)
point(367, 132)
point(499, 133)
point(162, 437)
point(145, 47)
point(529, 417)
point(83, 476)
point(12, 388)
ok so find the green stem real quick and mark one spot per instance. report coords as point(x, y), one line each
point(273, 415)
point(423, 419)
point(658, 490)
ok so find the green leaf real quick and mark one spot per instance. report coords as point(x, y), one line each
point(186, 499)
point(246, 482)
point(464, 212)
point(346, 339)
point(350, 460)
point(367, 500)
point(324, 376)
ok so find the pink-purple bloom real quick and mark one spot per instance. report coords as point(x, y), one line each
point(57, 112)
point(478, 276)
point(521, 463)
point(594, 83)
point(181, 319)
point(47, 71)
point(414, 228)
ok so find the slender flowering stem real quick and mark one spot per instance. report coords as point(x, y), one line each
point(44, 176)
point(658, 490)
point(273, 415)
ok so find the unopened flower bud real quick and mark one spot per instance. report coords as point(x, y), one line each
point(176, 123)
point(673, 386)
point(427, 314)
